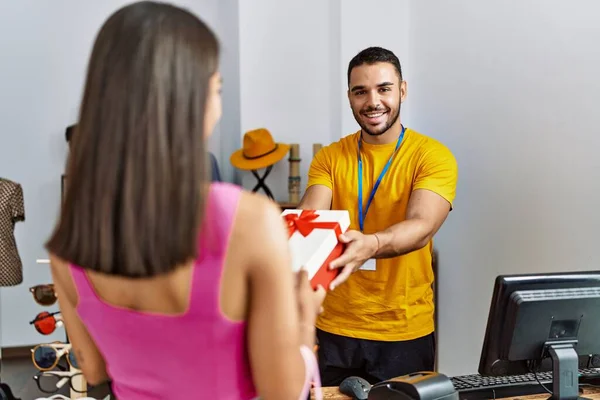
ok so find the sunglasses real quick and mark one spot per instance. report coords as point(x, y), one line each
point(52, 381)
point(46, 323)
point(46, 356)
point(44, 295)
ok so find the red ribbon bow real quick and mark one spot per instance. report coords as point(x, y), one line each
point(305, 223)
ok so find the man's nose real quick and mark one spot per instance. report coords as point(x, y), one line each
point(373, 100)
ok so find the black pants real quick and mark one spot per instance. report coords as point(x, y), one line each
point(375, 361)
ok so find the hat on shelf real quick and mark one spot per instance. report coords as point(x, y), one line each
point(259, 151)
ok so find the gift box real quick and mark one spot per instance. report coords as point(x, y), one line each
point(313, 241)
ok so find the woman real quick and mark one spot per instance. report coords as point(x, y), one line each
point(171, 287)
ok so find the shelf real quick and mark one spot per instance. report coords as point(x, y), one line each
point(287, 206)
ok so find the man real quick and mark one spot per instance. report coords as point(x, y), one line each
point(398, 186)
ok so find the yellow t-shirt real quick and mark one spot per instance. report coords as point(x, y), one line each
point(394, 302)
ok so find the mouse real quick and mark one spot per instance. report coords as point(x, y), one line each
point(355, 387)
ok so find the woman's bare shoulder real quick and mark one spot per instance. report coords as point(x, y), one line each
point(258, 224)
point(258, 212)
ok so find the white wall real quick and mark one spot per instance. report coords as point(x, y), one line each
point(511, 86)
point(45, 48)
point(226, 138)
point(362, 27)
point(286, 52)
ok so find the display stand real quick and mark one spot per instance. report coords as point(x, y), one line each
point(261, 182)
point(316, 148)
point(78, 382)
point(6, 392)
point(565, 370)
point(294, 176)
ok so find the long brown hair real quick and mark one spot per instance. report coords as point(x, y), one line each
point(137, 169)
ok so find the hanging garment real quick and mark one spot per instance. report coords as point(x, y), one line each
point(12, 210)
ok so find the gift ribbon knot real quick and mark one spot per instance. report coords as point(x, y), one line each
point(305, 223)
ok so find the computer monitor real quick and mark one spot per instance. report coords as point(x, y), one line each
point(544, 321)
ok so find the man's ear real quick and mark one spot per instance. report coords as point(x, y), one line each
point(403, 91)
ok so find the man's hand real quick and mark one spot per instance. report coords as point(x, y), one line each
point(359, 248)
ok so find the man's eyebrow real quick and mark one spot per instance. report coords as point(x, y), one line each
point(361, 87)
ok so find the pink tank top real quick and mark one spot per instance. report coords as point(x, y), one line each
point(198, 354)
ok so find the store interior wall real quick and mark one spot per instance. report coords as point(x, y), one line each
point(509, 86)
point(285, 76)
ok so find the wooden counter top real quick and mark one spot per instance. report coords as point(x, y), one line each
point(332, 393)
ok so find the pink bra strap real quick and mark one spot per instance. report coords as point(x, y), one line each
point(313, 376)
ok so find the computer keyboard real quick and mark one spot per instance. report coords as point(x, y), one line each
point(477, 387)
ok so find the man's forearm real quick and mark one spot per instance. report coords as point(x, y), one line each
point(317, 197)
point(402, 238)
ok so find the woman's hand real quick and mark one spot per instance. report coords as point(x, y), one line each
point(309, 303)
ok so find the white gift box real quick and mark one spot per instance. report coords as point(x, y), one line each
point(314, 241)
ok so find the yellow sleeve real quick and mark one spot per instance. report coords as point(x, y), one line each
point(320, 170)
point(438, 172)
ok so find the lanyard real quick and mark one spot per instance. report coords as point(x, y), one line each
point(361, 214)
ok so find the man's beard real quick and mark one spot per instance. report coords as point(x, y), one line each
point(365, 128)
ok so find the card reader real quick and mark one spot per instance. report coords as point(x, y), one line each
point(415, 386)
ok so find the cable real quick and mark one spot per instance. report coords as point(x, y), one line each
point(589, 385)
point(534, 368)
point(541, 384)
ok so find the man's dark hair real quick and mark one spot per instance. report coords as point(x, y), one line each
point(374, 55)
point(137, 172)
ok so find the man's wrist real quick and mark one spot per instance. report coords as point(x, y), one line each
point(375, 246)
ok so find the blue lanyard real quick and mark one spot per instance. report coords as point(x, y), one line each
point(361, 214)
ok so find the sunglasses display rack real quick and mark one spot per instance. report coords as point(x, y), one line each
point(46, 357)
point(51, 375)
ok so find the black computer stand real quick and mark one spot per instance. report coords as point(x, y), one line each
point(565, 370)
